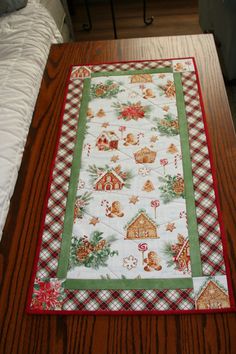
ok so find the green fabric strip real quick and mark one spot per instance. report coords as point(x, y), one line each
point(160, 284)
point(188, 181)
point(69, 215)
point(132, 72)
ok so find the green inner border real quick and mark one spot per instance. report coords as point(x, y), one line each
point(195, 256)
point(132, 72)
point(160, 284)
point(168, 283)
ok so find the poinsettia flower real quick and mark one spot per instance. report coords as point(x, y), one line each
point(46, 295)
point(133, 111)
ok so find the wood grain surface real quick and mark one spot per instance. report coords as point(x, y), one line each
point(170, 17)
point(182, 334)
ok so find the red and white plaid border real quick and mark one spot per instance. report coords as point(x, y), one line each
point(207, 216)
point(209, 234)
point(128, 300)
point(132, 66)
point(53, 228)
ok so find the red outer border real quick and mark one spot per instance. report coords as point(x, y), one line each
point(130, 61)
point(130, 312)
point(34, 271)
point(220, 219)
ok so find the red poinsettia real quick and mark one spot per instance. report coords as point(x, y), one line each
point(132, 111)
point(46, 295)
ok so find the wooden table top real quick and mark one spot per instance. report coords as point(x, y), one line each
point(185, 334)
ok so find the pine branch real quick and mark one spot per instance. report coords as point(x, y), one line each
point(167, 251)
point(129, 176)
point(111, 238)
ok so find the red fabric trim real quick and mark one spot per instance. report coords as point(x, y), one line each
point(130, 61)
point(34, 271)
point(133, 313)
point(223, 234)
point(213, 172)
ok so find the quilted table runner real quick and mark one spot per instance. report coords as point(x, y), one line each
point(131, 222)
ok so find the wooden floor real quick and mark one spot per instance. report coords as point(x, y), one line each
point(172, 17)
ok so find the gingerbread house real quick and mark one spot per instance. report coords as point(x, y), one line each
point(212, 296)
point(141, 78)
point(145, 155)
point(183, 257)
point(141, 226)
point(107, 140)
point(80, 73)
point(109, 181)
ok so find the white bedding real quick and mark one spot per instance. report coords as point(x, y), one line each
point(25, 39)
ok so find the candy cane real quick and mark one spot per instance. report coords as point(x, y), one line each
point(182, 215)
point(106, 203)
point(122, 128)
point(81, 184)
point(139, 136)
point(88, 149)
point(88, 146)
point(176, 159)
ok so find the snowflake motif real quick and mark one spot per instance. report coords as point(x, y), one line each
point(133, 94)
point(144, 171)
point(130, 262)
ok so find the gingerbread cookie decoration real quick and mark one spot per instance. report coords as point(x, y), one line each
point(101, 113)
point(115, 210)
point(130, 139)
point(148, 186)
point(152, 262)
point(148, 93)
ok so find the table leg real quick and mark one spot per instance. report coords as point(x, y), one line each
point(149, 20)
point(113, 18)
point(87, 26)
